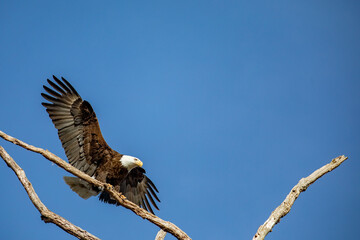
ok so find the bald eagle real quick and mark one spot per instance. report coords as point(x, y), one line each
point(86, 149)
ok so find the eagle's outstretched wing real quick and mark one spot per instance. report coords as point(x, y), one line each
point(85, 147)
point(77, 126)
point(138, 188)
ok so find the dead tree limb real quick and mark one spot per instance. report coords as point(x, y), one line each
point(160, 235)
point(164, 225)
point(285, 206)
point(46, 215)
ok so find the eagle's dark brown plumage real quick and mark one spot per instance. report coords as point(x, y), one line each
point(86, 149)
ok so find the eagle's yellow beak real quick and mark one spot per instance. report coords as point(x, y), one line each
point(139, 163)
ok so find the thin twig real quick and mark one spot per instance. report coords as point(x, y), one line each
point(46, 215)
point(286, 205)
point(160, 235)
point(164, 225)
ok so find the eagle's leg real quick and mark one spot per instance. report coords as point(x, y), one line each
point(117, 188)
point(108, 186)
point(100, 189)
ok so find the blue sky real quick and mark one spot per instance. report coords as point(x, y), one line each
point(228, 104)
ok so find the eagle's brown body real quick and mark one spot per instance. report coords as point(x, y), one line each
point(86, 149)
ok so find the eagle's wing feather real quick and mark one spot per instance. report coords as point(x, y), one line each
point(77, 126)
point(136, 187)
point(139, 189)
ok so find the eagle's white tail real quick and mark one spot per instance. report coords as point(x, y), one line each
point(82, 188)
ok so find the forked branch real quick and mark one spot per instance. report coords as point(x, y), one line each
point(46, 215)
point(164, 225)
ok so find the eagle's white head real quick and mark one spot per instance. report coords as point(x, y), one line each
point(130, 162)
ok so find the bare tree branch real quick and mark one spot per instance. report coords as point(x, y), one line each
point(286, 205)
point(160, 235)
point(46, 215)
point(164, 225)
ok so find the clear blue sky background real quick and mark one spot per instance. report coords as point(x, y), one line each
point(228, 104)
